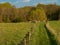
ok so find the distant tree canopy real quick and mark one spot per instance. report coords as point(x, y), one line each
point(52, 11)
point(41, 12)
point(37, 14)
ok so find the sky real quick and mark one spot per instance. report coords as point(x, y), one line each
point(22, 3)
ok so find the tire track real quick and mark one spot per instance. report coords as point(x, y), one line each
point(26, 39)
point(52, 34)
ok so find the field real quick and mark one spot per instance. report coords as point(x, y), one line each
point(56, 26)
point(13, 33)
point(40, 36)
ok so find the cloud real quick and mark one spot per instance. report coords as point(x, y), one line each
point(3, 2)
point(49, 1)
point(18, 1)
point(26, 0)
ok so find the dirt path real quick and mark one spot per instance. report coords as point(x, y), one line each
point(50, 29)
point(26, 39)
point(54, 32)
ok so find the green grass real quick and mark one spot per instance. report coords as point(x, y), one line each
point(13, 33)
point(40, 36)
point(55, 25)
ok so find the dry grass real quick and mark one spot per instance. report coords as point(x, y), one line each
point(13, 33)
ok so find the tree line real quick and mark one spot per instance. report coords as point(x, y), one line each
point(40, 12)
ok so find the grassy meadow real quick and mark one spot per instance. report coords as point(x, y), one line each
point(40, 36)
point(55, 25)
point(13, 33)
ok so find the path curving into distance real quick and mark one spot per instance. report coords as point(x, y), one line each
point(50, 29)
point(40, 34)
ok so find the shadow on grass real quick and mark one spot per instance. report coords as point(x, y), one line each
point(51, 36)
